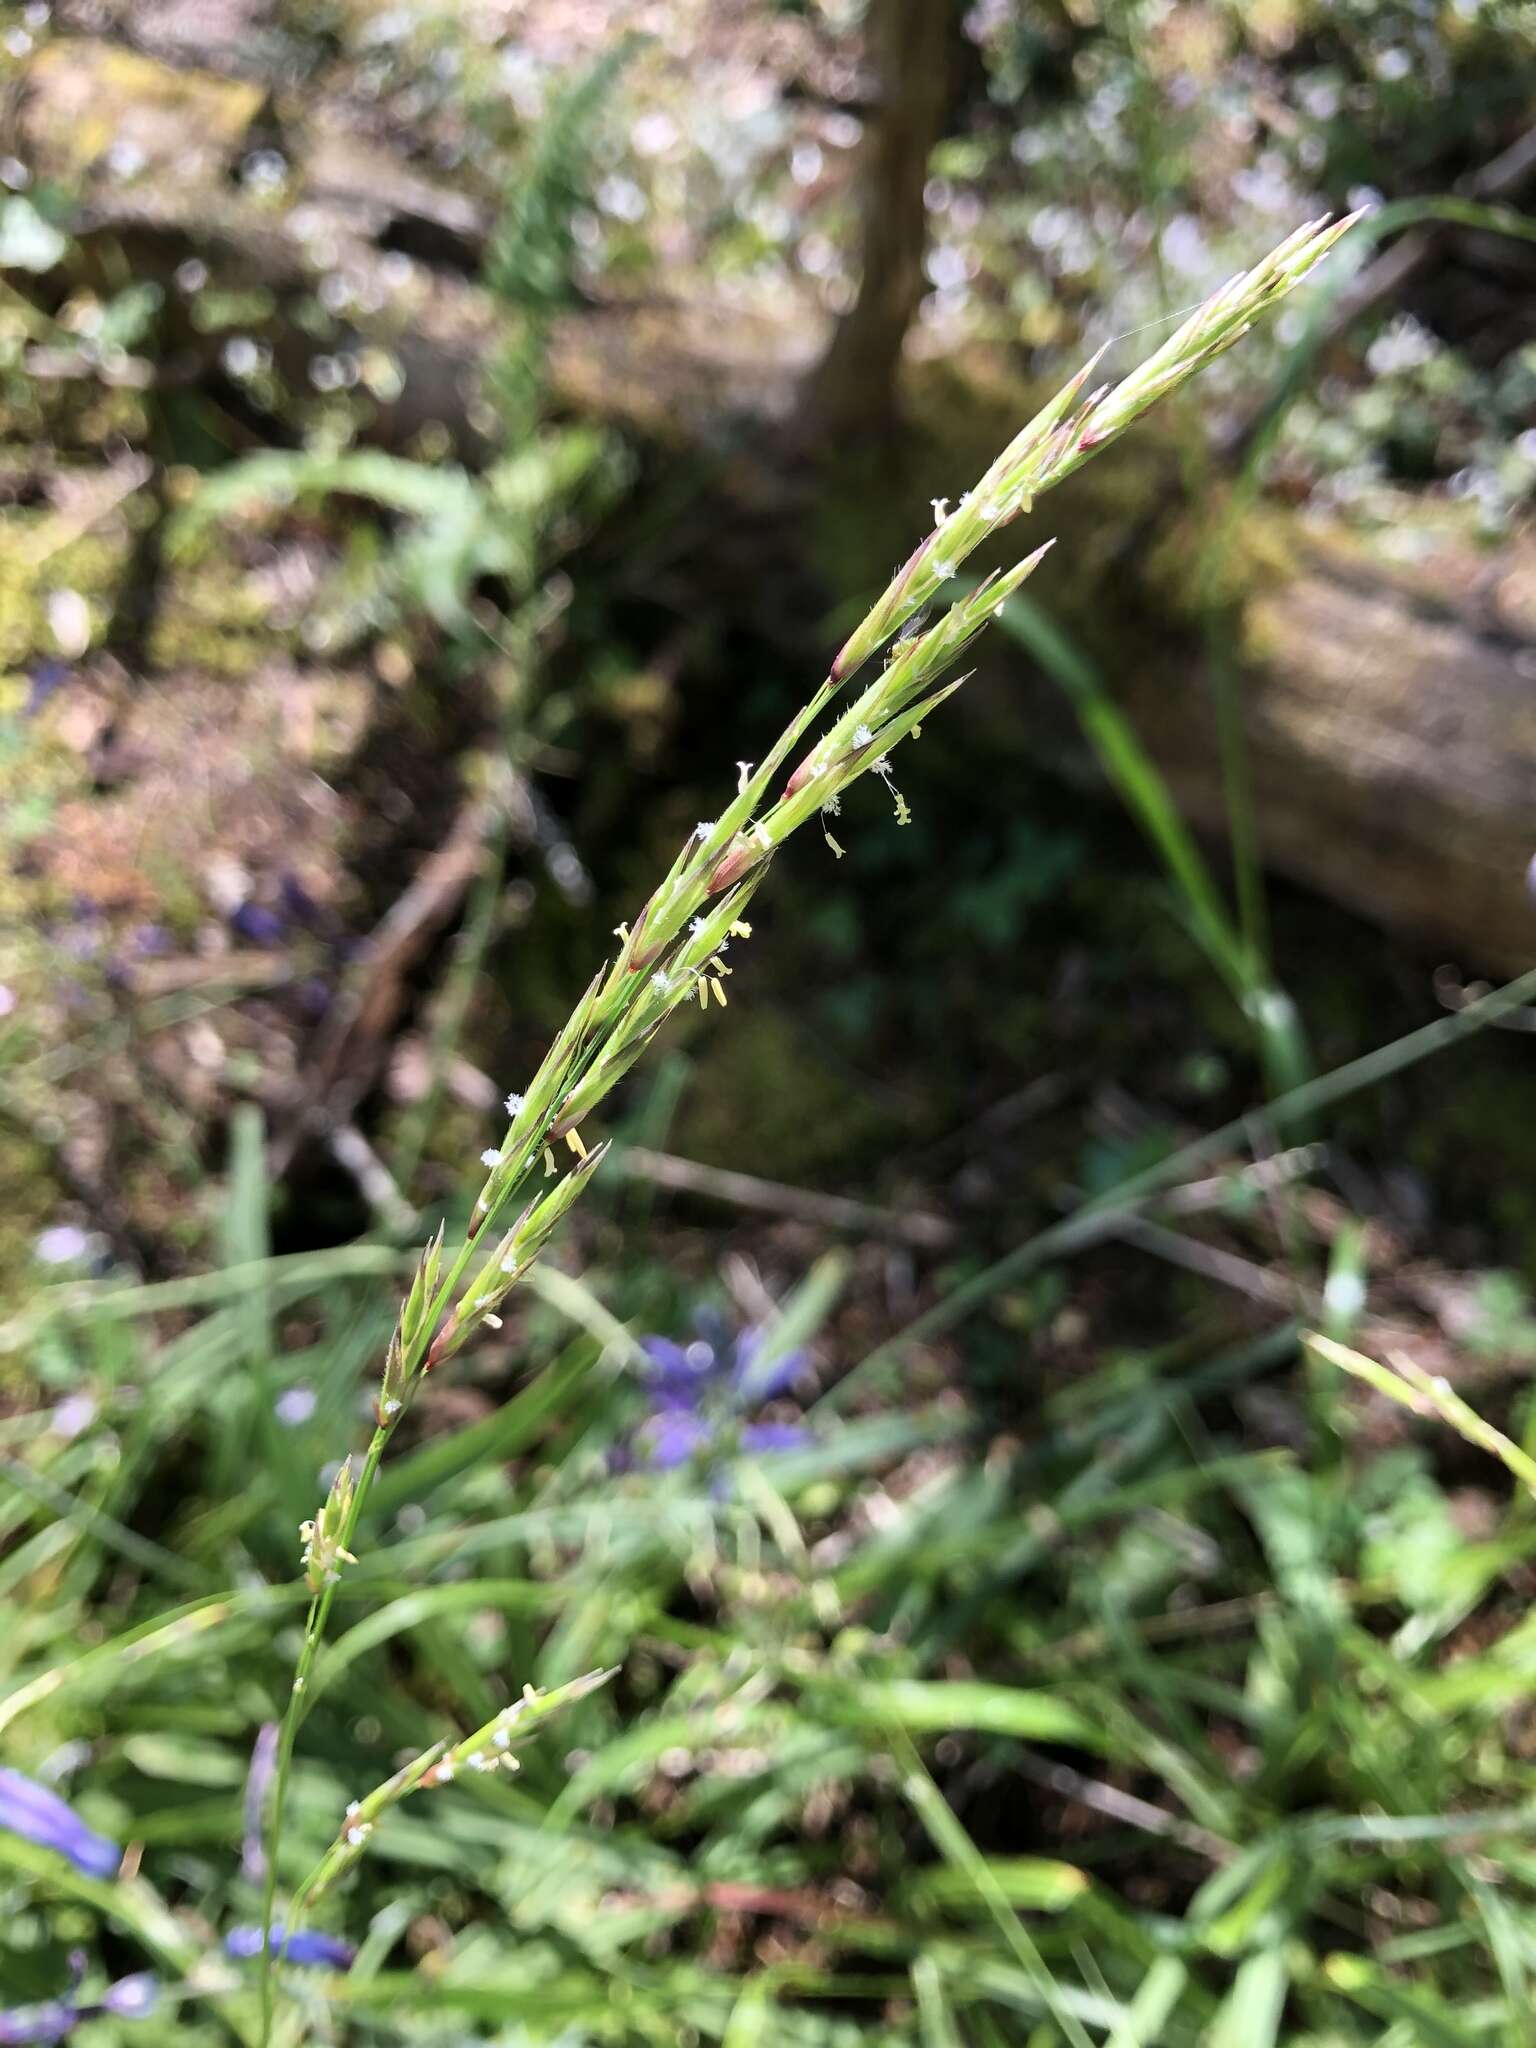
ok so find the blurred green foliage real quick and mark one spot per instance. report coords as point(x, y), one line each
point(1226, 1671)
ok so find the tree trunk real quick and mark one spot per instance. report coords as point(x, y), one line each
point(853, 391)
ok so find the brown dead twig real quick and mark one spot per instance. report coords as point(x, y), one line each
point(353, 1044)
point(808, 1205)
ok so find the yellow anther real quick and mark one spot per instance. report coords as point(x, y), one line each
point(574, 1140)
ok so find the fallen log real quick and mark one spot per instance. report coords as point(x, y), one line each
point(1389, 701)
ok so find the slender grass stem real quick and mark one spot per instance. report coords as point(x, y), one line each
point(671, 952)
point(293, 1715)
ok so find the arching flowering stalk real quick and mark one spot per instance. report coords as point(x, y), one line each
point(490, 1749)
point(673, 947)
point(323, 1549)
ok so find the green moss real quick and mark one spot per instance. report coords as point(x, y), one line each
point(1471, 1142)
point(209, 616)
point(762, 1102)
point(29, 1196)
point(31, 570)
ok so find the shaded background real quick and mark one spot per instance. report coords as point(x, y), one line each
point(435, 444)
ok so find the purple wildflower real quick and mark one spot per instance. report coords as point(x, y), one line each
point(673, 1436)
point(253, 1855)
point(702, 1393)
point(255, 922)
point(761, 1438)
point(43, 679)
point(130, 1998)
point(30, 2023)
point(298, 902)
point(308, 1948)
point(40, 1816)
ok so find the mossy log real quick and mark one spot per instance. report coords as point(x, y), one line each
point(1388, 693)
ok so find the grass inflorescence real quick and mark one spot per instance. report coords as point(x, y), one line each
point(1099, 1738)
point(672, 952)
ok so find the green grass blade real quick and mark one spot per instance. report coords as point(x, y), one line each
point(1251, 2013)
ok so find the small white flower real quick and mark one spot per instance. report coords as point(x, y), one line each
point(61, 1244)
point(353, 1806)
point(490, 1157)
point(502, 1737)
point(862, 736)
point(940, 510)
point(484, 1300)
point(513, 1105)
point(481, 1762)
point(295, 1406)
point(240, 356)
point(661, 982)
point(445, 1770)
point(509, 1264)
point(703, 828)
point(990, 511)
point(943, 570)
point(883, 765)
point(391, 1407)
point(743, 775)
point(357, 1835)
point(69, 621)
point(74, 1414)
point(1344, 1293)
